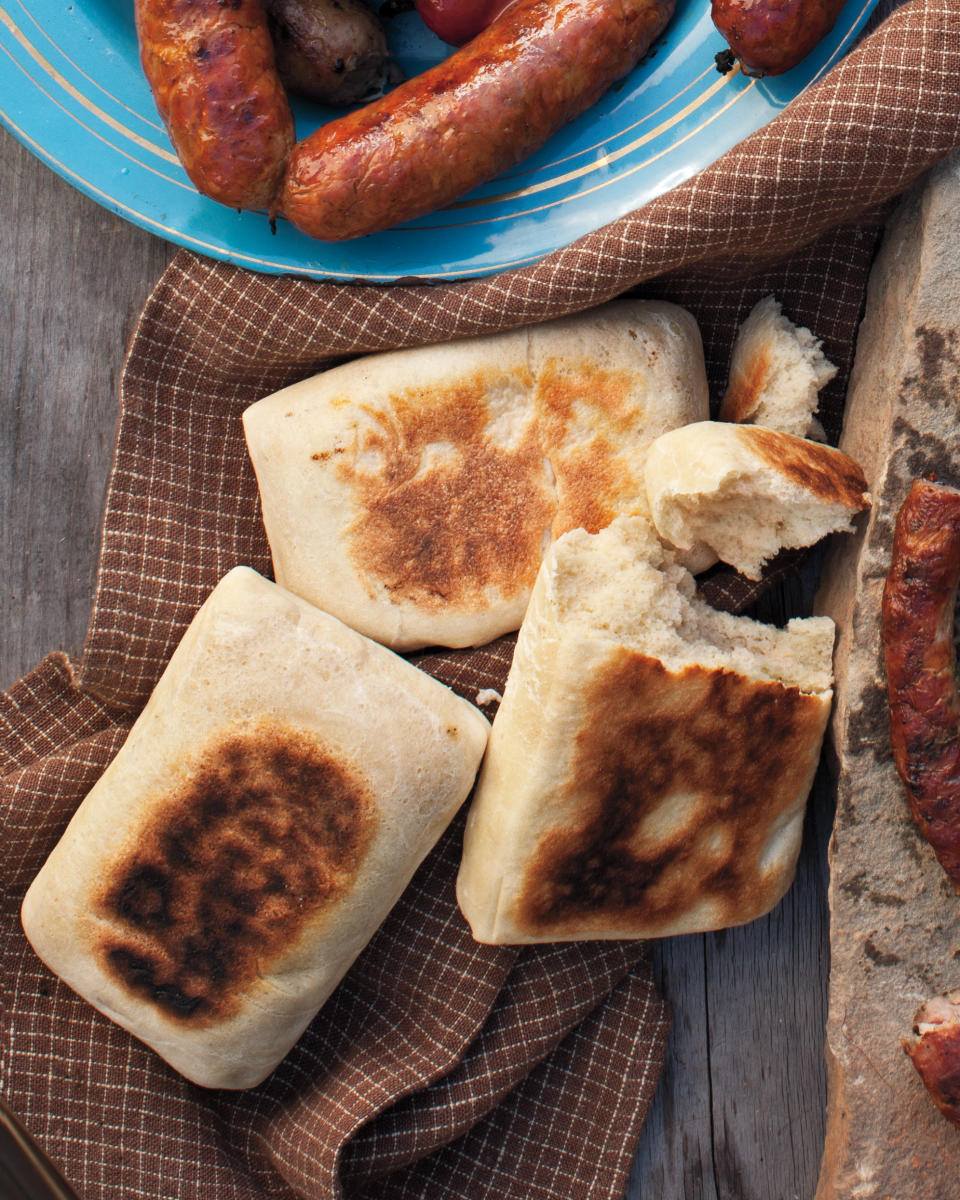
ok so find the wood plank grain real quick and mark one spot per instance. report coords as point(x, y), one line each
point(739, 1111)
point(675, 1154)
point(767, 1036)
point(74, 278)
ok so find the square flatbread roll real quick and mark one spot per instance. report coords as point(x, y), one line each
point(649, 766)
point(412, 494)
point(268, 807)
point(746, 493)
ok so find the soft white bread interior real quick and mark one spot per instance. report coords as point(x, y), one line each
point(776, 372)
point(648, 768)
point(748, 492)
point(412, 494)
point(268, 807)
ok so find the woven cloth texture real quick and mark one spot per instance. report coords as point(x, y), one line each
point(440, 1068)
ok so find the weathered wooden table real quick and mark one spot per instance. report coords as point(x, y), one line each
point(739, 1114)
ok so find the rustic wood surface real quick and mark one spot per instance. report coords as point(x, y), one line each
point(739, 1113)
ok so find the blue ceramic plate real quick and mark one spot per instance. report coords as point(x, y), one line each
point(72, 91)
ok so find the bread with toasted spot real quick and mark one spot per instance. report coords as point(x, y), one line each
point(648, 768)
point(777, 370)
point(269, 805)
point(413, 493)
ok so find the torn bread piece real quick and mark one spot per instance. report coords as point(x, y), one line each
point(747, 492)
point(648, 770)
point(413, 493)
point(270, 804)
point(777, 370)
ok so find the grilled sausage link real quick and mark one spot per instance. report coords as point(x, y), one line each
point(934, 1050)
point(488, 106)
point(917, 627)
point(771, 36)
point(210, 65)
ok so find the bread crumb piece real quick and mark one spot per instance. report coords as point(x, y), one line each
point(777, 370)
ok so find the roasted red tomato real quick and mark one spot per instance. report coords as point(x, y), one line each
point(457, 21)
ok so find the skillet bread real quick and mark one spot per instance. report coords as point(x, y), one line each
point(649, 766)
point(268, 807)
point(413, 493)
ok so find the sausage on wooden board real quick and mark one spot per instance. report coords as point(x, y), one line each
point(918, 642)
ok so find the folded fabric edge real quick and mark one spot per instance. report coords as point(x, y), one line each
point(551, 1138)
point(50, 693)
point(453, 1093)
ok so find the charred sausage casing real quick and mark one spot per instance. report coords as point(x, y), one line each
point(770, 37)
point(210, 65)
point(934, 1050)
point(487, 107)
point(918, 641)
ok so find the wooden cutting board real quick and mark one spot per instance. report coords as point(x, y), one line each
point(895, 920)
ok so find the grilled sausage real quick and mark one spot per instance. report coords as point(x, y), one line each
point(917, 627)
point(210, 65)
point(934, 1050)
point(488, 106)
point(771, 36)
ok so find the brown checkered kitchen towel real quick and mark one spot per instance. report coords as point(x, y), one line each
point(440, 1069)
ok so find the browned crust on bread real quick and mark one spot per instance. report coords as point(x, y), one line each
point(826, 473)
point(742, 397)
point(476, 517)
point(591, 487)
point(654, 737)
point(917, 626)
point(934, 1051)
point(266, 831)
